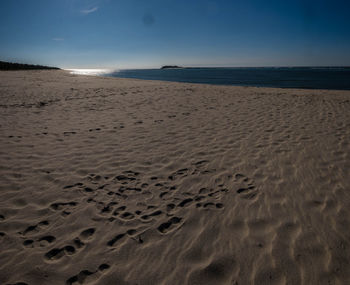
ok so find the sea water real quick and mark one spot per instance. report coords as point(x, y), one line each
point(283, 77)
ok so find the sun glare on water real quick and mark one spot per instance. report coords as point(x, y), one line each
point(89, 71)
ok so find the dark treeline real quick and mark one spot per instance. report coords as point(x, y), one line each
point(19, 66)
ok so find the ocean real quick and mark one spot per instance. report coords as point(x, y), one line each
point(337, 78)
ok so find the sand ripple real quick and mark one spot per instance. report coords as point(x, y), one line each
point(116, 181)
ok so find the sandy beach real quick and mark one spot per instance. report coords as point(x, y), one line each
point(123, 181)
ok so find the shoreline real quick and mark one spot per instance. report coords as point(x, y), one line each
point(296, 78)
point(208, 84)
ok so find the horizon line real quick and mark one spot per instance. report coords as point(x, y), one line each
point(193, 67)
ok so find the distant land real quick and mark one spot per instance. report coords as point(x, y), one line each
point(20, 66)
point(170, 66)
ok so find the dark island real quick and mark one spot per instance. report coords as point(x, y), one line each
point(170, 66)
point(20, 66)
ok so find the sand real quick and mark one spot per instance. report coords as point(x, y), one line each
point(121, 181)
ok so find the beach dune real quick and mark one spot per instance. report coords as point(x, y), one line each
point(123, 181)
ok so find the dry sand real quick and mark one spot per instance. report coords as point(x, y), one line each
point(119, 181)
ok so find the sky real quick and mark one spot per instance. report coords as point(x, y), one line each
point(119, 34)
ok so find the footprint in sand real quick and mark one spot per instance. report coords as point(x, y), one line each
point(170, 225)
point(180, 173)
point(66, 207)
point(57, 253)
point(68, 250)
point(43, 241)
point(149, 216)
point(87, 234)
point(115, 239)
point(35, 228)
point(247, 189)
point(81, 277)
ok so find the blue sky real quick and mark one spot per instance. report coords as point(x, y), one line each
point(151, 33)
